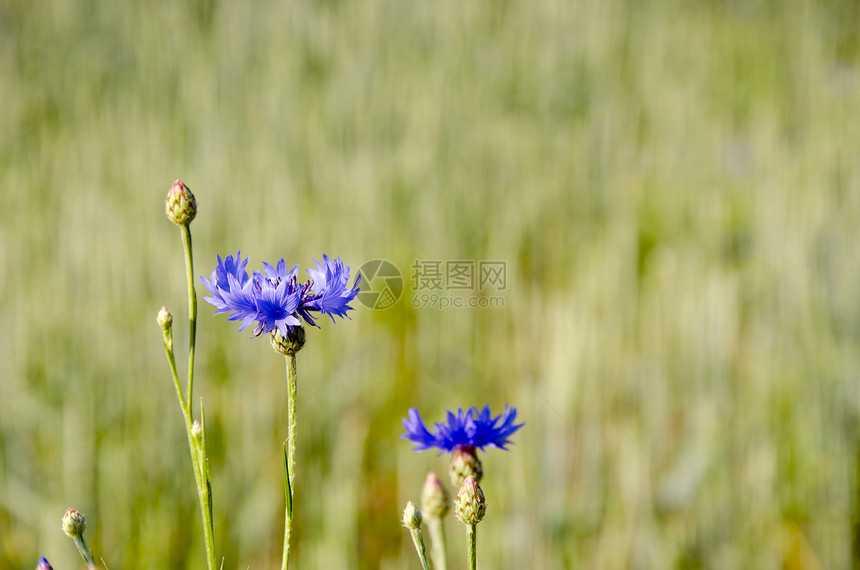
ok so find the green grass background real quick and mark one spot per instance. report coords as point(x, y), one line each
point(674, 187)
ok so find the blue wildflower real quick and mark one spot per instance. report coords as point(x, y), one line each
point(331, 280)
point(44, 564)
point(274, 298)
point(462, 430)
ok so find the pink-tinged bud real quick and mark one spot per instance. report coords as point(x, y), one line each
point(197, 433)
point(411, 516)
point(43, 564)
point(74, 523)
point(181, 206)
point(434, 498)
point(165, 319)
point(465, 463)
point(471, 505)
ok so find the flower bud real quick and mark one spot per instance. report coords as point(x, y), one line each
point(465, 463)
point(471, 505)
point(292, 344)
point(43, 564)
point(434, 498)
point(411, 517)
point(181, 206)
point(197, 433)
point(74, 523)
point(165, 319)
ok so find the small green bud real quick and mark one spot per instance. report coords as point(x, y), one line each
point(74, 523)
point(292, 344)
point(197, 433)
point(411, 517)
point(471, 505)
point(465, 463)
point(181, 206)
point(434, 498)
point(165, 319)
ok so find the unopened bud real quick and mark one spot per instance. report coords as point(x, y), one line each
point(292, 344)
point(165, 319)
point(181, 206)
point(197, 432)
point(465, 463)
point(471, 505)
point(74, 523)
point(434, 498)
point(43, 564)
point(411, 517)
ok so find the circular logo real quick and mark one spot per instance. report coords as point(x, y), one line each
point(381, 284)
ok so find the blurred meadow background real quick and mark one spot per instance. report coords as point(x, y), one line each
point(674, 188)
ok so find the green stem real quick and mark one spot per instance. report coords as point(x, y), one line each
point(471, 530)
point(204, 487)
point(199, 461)
point(290, 456)
point(418, 541)
point(82, 547)
point(192, 306)
point(437, 539)
point(172, 362)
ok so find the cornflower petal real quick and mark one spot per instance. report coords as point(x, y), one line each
point(276, 307)
point(417, 432)
point(274, 298)
point(463, 429)
point(331, 287)
point(242, 300)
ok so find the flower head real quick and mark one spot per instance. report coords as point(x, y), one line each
point(434, 498)
point(44, 564)
point(273, 298)
point(463, 429)
point(471, 505)
point(411, 516)
point(74, 523)
point(180, 205)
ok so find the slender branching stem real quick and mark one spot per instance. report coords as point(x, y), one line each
point(199, 462)
point(196, 446)
point(471, 530)
point(418, 541)
point(290, 456)
point(192, 306)
point(171, 361)
point(82, 547)
point(437, 540)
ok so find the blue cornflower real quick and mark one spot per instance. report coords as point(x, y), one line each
point(463, 430)
point(274, 298)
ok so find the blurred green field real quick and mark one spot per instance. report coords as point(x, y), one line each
point(674, 187)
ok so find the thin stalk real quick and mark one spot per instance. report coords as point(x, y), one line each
point(168, 349)
point(82, 547)
point(197, 450)
point(437, 540)
point(203, 490)
point(290, 457)
point(418, 541)
point(192, 306)
point(204, 465)
point(471, 531)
